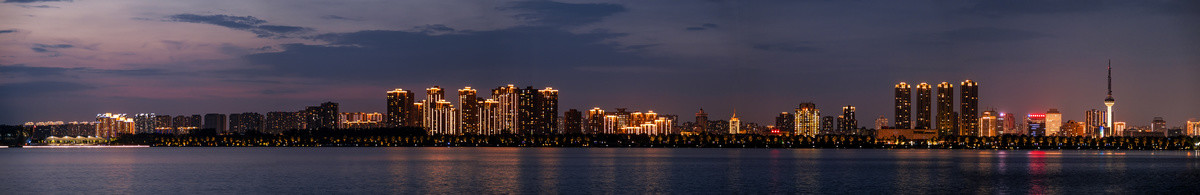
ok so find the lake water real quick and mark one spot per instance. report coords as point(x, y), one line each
point(591, 171)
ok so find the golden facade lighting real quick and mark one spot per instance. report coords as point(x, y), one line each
point(109, 125)
point(808, 119)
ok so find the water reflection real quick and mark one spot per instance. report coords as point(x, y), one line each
point(118, 173)
point(807, 170)
point(594, 171)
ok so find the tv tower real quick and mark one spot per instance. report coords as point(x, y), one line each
point(1108, 102)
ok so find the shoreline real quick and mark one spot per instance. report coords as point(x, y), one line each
point(115, 146)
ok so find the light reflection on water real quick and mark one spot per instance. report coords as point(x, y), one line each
point(592, 171)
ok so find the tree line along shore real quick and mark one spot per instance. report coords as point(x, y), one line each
point(416, 137)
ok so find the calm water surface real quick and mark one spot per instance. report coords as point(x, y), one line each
point(591, 171)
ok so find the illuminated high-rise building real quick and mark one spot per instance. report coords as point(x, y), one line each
point(881, 122)
point(829, 125)
point(807, 119)
point(245, 122)
point(109, 125)
point(662, 126)
point(945, 109)
point(400, 109)
point(1193, 128)
point(702, 122)
point(1158, 125)
point(735, 125)
point(278, 122)
point(595, 121)
point(924, 110)
point(360, 120)
point(546, 112)
point(186, 124)
point(217, 122)
point(1008, 124)
point(988, 124)
point(508, 99)
point(968, 108)
point(468, 108)
point(527, 111)
point(1094, 121)
point(435, 93)
point(572, 122)
point(1054, 122)
point(145, 123)
point(903, 106)
point(848, 122)
point(786, 123)
point(1035, 124)
point(324, 116)
point(1119, 127)
point(419, 110)
point(490, 120)
point(1108, 103)
point(163, 124)
point(441, 118)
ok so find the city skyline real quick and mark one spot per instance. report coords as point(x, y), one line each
point(195, 59)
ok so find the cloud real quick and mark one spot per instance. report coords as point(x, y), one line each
point(56, 46)
point(433, 29)
point(370, 55)
point(8, 31)
point(41, 87)
point(246, 23)
point(1018, 7)
point(37, 6)
point(988, 34)
point(34, 1)
point(704, 26)
point(564, 14)
point(785, 47)
point(52, 49)
point(33, 71)
point(337, 17)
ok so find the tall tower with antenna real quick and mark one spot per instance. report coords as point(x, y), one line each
point(1108, 102)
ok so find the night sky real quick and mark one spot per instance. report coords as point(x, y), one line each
point(68, 60)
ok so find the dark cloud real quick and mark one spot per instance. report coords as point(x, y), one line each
point(8, 31)
point(34, 1)
point(41, 88)
point(37, 6)
point(988, 35)
point(246, 23)
point(337, 17)
point(433, 29)
point(1184, 7)
point(31, 71)
point(785, 47)
point(565, 14)
point(10, 70)
point(383, 54)
point(1017, 7)
point(704, 26)
point(55, 46)
point(52, 49)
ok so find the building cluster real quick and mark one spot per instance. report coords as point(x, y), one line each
point(952, 120)
point(108, 125)
point(509, 110)
point(620, 121)
point(513, 110)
